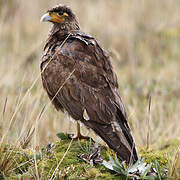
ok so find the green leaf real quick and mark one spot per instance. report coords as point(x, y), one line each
point(38, 155)
point(146, 170)
point(152, 177)
point(120, 170)
point(82, 148)
point(139, 165)
point(62, 136)
point(112, 160)
point(157, 166)
point(117, 161)
point(87, 147)
point(108, 165)
point(90, 143)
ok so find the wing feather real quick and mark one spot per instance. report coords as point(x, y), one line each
point(92, 87)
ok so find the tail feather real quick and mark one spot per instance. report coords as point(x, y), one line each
point(125, 152)
point(127, 132)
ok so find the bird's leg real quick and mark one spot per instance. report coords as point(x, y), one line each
point(79, 135)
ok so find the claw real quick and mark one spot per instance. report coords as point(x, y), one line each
point(79, 135)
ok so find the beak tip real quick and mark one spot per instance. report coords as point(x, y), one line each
point(45, 18)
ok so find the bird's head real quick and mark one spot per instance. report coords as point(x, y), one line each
point(61, 15)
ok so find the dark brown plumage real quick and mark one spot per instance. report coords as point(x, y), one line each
point(78, 77)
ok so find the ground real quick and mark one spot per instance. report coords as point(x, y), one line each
point(60, 160)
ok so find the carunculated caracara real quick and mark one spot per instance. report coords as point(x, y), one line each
point(78, 77)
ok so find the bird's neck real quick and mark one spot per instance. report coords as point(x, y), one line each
point(63, 29)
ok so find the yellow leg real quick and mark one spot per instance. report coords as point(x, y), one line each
point(79, 135)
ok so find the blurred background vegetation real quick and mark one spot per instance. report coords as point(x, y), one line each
point(143, 40)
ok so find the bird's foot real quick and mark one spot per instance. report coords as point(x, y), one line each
point(80, 136)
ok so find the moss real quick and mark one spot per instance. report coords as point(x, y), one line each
point(13, 160)
point(72, 167)
point(151, 156)
point(21, 162)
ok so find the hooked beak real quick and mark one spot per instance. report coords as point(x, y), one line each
point(46, 17)
point(53, 17)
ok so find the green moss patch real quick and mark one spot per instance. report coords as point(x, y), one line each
point(60, 161)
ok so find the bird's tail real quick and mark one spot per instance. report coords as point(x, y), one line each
point(118, 137)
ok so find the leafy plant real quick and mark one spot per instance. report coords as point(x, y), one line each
point(62, 136)
point(139, 170)
point(92, 152)
point(87, 147)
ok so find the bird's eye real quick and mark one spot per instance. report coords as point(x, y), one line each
point(60, 13)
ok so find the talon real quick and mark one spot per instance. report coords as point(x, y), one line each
point(79, 135)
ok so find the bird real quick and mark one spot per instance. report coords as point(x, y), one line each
point(79, 79)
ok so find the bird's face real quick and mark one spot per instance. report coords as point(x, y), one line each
point(58, 14)
point(55, 17)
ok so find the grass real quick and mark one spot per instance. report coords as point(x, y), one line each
point(143, 39)
point(60, 160)
point(52, 164)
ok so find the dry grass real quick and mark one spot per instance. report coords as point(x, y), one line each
point(143, 39)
